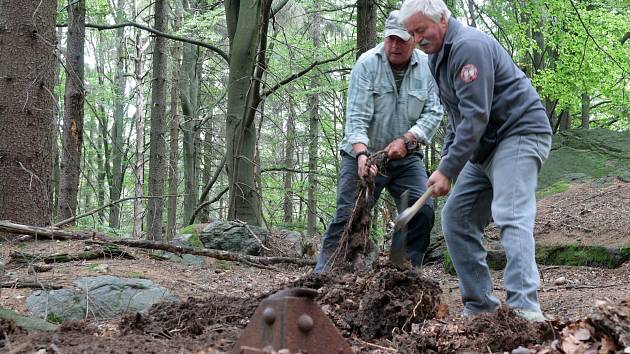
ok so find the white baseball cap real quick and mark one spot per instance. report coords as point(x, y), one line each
point(393, 27)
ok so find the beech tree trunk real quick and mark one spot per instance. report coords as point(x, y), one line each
point(247, 24)
point(27, 69)
point(586, 110)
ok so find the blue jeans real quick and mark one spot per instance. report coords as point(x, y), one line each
point(400, 175)
point(504, 188)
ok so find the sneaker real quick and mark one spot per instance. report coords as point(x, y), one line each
point(530, 315)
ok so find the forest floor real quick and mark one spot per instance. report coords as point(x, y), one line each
point(384, 310)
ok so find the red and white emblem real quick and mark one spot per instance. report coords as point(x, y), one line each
point(469, 73)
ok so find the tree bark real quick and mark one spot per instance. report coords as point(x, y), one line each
point(247, 30)
point(366, 25)
point(289, 162)
point(190, 109)
point(586, 110)
point(138, 167)
point(157, 162)
point(72, 137)
point(117, 149)
point(173, 160)
point(27, 68)
point(565, 120)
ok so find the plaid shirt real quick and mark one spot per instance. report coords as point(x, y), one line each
point(377, 113)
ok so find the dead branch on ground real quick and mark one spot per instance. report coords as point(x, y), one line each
point(56, 234)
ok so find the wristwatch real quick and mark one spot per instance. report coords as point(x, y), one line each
point(410, 144)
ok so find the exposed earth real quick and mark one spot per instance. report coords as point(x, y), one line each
point(384, 310)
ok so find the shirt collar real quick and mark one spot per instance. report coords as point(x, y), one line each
point(451, 32)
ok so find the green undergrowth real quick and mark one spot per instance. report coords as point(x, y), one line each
point(193, 230)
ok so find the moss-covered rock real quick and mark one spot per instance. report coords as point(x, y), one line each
point(579, 154)
point(576, 255)
point(561, 255)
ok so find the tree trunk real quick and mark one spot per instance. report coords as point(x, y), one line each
point(138, 167)
point(116, 174)
point(56, 146)
point(157, 162)
point(27, 69)
point(173, 174)
point(190, 110)
point(289, 163)
point(586, 110)
point(471, 14)
point(247, 30)
point(313, 132)
point(102, 158)
point(72, 137)
point(565, 121)
point(366, 25)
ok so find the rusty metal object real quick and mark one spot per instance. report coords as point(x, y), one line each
point(290, 321)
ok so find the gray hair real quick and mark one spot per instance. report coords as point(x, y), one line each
point(433, 9)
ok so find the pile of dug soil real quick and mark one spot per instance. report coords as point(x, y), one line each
point(369, 305)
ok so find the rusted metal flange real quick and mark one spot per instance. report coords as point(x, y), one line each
point(290, 320)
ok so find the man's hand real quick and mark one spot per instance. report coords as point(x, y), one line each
point(440, 182)
point(363, 170)
point(396, 149)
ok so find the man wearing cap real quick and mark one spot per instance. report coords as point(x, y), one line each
point(392, 106)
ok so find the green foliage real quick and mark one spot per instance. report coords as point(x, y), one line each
point(447, 262)
point(555, 188)
point(53, 318)
point(581, 49)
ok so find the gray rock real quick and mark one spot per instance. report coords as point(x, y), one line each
point(298, 241)
point(187, 259)
point(103, 296)
point(182, 240)
point(234, 237)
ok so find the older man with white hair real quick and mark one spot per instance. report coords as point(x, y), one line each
point(498, 137)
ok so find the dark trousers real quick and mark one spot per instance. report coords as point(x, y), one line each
point(399, 176)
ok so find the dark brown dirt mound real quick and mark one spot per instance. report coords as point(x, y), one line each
point(497, 332)
point(371, 305)
point(192, 318)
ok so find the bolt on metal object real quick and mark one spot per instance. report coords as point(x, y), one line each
point(290, 321)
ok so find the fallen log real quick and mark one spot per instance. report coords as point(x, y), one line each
point(28, 284)
point(104, 252)
point(57, 234)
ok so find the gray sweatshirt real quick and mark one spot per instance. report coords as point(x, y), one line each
point(488, 98)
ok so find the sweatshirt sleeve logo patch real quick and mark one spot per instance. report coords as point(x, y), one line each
point(469, 73)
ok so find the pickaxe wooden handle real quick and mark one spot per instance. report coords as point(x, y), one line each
point(404, 217)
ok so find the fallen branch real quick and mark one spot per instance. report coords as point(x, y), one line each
point(27, 284)
point(109, 251)
point(56, 234)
